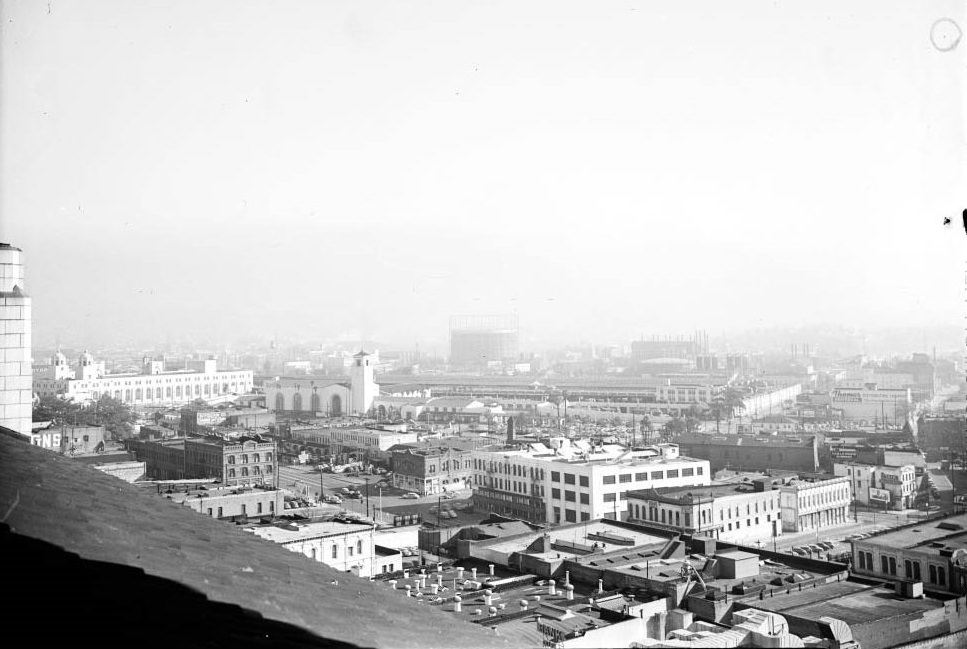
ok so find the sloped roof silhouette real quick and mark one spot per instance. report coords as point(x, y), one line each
point(92, 557)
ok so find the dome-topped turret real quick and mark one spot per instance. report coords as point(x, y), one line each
point(59, 358)
point(87, 358)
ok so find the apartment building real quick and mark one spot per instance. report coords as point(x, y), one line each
point(569, 482)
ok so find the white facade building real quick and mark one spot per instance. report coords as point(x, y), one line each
point(737, 513)
point(325, 396)
point(815, 504)
point(16, 396)
point(152, 387)
point(347, 547)
point(572, 482)
point(890, 487)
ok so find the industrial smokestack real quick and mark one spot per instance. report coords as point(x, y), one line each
point(510, 430)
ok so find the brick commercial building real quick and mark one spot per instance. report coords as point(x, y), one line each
point(750, 453)
point(432, 470)
point(247, 461)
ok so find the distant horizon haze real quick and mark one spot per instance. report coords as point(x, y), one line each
point(231, 170)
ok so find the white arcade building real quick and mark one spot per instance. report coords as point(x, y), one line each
point(153, 386)
point(324, 395)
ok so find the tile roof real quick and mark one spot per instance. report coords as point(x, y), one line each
point(67, 509)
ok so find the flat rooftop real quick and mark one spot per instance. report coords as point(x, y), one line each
point(307, 531)
point(951, 531)
point(586, 534)
point(851, 602)
point(702, 492)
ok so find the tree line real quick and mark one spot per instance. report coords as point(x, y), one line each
point(116, 416)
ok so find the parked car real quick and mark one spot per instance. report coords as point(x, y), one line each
point(411, 496)
point(826, 545)
point(799, 551)
point(815, 548)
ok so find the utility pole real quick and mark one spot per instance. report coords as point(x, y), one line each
point(367, 497)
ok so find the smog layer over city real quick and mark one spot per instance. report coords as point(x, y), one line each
point(509, 324)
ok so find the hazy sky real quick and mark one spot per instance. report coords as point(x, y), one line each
point(604, 169)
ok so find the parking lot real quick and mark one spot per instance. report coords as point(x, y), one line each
point(388, 500)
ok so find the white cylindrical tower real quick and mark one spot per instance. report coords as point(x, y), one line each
point(16, 376)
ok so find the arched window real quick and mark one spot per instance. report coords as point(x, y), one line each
point(117, 395)
point(335, 406)
point(127, 395)
point(255, 458)
point(297, 401)
point(231, 473)
point(314, 402)
point(256, 470)
point(244, 471)
point(178, 391)
point(279, 401)
point(197, 390)
point(208, 389)
point(359, 546)
point(168, 392)
point(137, 394)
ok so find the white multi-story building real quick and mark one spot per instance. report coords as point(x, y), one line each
point(15, 367)
point(569, 482)
point(810, 504)
point(154, 386)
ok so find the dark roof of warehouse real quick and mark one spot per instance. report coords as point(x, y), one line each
point(111, 563)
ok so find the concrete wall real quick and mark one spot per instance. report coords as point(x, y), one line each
point(127, 471)
point(613, 635)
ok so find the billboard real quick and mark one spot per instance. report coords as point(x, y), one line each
point(880, 495)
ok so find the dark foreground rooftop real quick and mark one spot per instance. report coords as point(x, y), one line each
point(92, 559)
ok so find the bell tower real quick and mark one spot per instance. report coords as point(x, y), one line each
point(362, 383)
